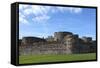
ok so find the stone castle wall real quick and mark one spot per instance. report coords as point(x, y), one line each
point(63, 43)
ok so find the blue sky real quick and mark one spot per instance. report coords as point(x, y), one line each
point(43, 21)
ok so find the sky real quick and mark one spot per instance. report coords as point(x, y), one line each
point(43, 21)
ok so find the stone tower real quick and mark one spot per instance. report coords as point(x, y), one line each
point(59, 36)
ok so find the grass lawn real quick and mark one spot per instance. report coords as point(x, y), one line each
point(55, 58)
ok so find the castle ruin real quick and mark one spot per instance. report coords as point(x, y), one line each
point(61, 43)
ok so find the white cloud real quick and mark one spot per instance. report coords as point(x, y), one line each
point(76, 10)
point(22, 18)
point(42, 13)
point(41, 19)
point(70, 9)
point(37, 10)
point(23, 6)
point(21, 15)
point(27, 11)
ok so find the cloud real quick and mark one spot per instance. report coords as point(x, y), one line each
point(21, 15)
point(23, 7)
point(22, 19)
point(40, 10)
point(70, 9)
point(27, 11)
point(76, 10)
point(36, 10)
point(42, 13)
point(41, 19)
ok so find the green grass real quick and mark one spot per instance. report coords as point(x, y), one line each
point(55, 58)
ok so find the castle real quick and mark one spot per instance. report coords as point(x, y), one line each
point(61, 43)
